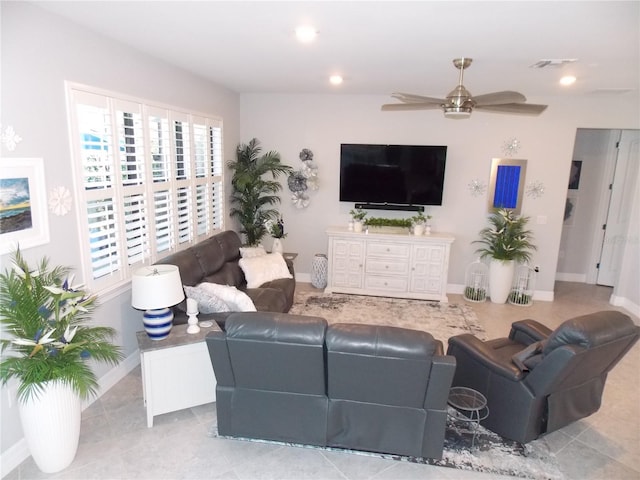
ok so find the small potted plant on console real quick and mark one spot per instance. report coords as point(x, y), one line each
point(421, 224)
point(358, 214)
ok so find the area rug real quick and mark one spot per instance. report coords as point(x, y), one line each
point(485, 452)
point(442, 320)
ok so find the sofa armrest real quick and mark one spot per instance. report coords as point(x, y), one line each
point(529, 331)
point(469, 350)
point(289, 263)
point(220, 359)
point(443, 368)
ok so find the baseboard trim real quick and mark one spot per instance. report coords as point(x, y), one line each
point(625, 303)
point(19, 451)
point(540, 295)
point(571, 277)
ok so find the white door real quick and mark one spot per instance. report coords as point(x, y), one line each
point(623, 187)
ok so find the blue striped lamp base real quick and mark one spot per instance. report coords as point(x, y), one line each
point(158, 323)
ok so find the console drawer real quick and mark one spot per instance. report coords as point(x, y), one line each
point(377, 282)
point(386, 266)
point(383, 249)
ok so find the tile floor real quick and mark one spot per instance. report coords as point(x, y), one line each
point(116, 444)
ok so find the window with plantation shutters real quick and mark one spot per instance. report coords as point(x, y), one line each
point(149, 181)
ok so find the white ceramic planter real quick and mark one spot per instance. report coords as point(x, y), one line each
point(500, 278)
point(51, 426)
point(277, 245)
point(418, 229)
point(357, 226)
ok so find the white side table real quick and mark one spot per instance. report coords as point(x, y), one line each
point(176, 372)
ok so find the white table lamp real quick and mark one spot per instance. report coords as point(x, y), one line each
point(154, 289)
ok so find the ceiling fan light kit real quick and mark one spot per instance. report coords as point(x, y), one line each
point(460, 103)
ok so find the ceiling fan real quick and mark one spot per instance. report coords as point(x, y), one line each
point(460, 103)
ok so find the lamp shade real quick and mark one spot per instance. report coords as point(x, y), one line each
point(156, 286)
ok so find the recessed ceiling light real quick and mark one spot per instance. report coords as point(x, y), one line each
point(306, 33)
point(335, 79)
point(568, 80)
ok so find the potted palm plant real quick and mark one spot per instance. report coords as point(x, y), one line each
point(506, 241)
point(255, 189)
point(47, 350)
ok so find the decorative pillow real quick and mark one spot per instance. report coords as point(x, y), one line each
point(237, 300)
point(207, 302)
point(259, 270)
point(250, 252)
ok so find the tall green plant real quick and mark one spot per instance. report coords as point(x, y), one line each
point(47, 318)
point(255, 189)
point(507, 238)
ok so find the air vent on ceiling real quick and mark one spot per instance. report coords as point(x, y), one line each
point(610, 91)
point(552, 62)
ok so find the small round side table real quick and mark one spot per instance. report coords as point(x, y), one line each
point(469, 406)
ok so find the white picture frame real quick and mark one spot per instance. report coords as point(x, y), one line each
point(24, 220)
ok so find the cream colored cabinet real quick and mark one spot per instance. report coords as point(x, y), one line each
point(346, 261)
point(384, 263)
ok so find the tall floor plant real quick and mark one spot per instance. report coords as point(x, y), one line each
point(255, 189)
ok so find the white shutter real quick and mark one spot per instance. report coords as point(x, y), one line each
point(149, 180)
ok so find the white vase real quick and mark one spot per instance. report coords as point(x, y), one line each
point(277, 245)
point(418, 229)
point(500, 279)
point(319, 269)
point(357, 226)
point(51, 425)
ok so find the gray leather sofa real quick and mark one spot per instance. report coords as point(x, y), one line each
point(539, 380)
point(294, 378)
point(215, 260)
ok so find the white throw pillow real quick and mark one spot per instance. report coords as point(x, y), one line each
point(250, 252)
point(207, 302)
point(237, 300)
point(259, 270)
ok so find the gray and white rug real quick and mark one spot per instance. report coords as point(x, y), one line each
point(442, 320)
point(486, 453)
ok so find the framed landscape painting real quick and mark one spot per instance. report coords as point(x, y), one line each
point(23, 205)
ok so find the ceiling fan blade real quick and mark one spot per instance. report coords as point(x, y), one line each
point(411, 98)
point(521, 108)
point(409, 106)
point(499, 98)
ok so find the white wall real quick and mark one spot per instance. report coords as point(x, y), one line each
point(289, 123)
point(39, 52)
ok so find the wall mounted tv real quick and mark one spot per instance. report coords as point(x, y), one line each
point(392, 174)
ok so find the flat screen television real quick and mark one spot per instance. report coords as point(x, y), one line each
point(392, 174)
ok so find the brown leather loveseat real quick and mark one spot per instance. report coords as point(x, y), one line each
point(216, 260)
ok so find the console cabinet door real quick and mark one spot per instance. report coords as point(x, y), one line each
point(346, 268)
point(427, 269)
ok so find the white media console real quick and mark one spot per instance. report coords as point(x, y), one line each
point(384, 263)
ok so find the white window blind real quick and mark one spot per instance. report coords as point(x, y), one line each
point(149, 181)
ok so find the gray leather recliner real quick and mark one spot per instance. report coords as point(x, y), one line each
point(292, 378)
point(538, 380)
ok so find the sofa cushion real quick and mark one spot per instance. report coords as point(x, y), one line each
point(207, 302)
point(236, 300)
point(250, 252)
point(263, 269)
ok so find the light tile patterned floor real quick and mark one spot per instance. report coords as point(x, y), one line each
point(116, 444)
